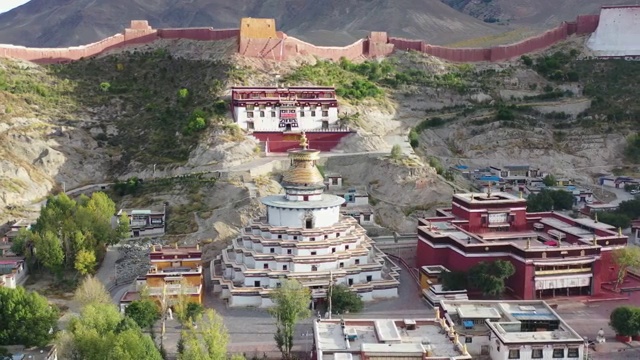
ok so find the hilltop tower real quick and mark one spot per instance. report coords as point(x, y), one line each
point(304, 237)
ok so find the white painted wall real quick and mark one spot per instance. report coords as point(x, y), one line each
point(271, 123)
point(294, 218)
point(526, 351)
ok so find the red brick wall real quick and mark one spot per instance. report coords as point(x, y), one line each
point(204, 34)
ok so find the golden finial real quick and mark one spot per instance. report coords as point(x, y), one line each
point(464, 349)
point(304, 143)
point(176, 245)
point(596, 217)
point(520, 194)
point(595, 239)
point(528, 243)
point(619, 231)
point(437, 312)
point(471, 196)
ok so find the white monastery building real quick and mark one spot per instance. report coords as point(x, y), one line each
point(304, 237)
point(503, 330)
point(284, 109)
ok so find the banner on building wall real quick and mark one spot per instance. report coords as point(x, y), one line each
point(563, 282)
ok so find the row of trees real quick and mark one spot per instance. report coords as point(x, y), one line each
point(486, 276)
point(547, 200)
point(71, 234)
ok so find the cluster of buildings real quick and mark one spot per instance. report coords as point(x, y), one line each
point(461, 329)
point(277, 116)
point(523, 179)
point(13, 269)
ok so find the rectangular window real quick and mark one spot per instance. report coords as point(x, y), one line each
point(573, 353)
point(295, 238)
point(333, 250)
point(280, 236)
point(250, 114)
point(261, 114)
point(357, 261)
point(273, 114)
point(325, 124)
point(249, 107)
point(346, 247)
point(514, 354)
point(256, 283)
point(314, 268)
point(301, 113)
point(558, 353)
point(350, 281)
point(265, 266)
point(250, 125)
point(369, 278)
point(325, 113)
point(262, 107)
point(313, 113)
point(536, 353)
point(289, 251)
point(326, 237)
point(284, 267)
point(272, 250)
point(278, 285)
point(367, 217)
point(313, 253)
point(341, 265)
point(468, 339)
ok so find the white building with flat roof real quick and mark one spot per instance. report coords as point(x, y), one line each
point(402, 339)
point(511, 329)
point(304, 237)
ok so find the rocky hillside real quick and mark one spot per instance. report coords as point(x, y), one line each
point(162, 110)
point(329, 22)
point(535, 14)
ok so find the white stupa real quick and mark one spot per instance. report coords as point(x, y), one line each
point(303, 237)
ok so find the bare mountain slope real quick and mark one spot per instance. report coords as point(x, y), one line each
point(328, 22)
point(535, 14)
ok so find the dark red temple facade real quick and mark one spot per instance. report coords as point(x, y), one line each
point(554, 255)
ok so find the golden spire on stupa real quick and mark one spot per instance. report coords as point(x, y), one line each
point(303, 170)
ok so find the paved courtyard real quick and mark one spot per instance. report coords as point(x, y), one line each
point(252, 330)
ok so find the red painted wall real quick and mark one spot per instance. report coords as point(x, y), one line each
point(323, 141)
point(204, 34)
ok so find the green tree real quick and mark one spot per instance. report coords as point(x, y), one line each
point(49, 251)
point(291, 303)
point(123, 226)
point(614, 218)
point(19, 243)
point(144, 312)
point(539, 202)
point(489, 277)
point(625, 320)
point(454, 280)
point(344, 300)
point(85, 262)
point(630, 208)
point(549, 180)
point(207, 340)
point(625, 258)
point(193, 311)
point(562, 199)
point(26, 318)
point(632, 148)
point(102, 333)
point(91, 291)
point(396, 152)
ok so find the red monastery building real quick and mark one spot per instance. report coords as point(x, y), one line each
point(277, 116)
point(553, 254)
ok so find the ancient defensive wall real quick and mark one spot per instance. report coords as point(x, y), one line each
point(259, 38)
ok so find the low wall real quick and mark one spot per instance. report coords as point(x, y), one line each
point(278, 142)
point(294, 47)
point(203, 34)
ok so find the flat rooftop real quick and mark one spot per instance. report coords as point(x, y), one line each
point(511, 321)
point(498, 197)
point(382, 336)
point(281, 201)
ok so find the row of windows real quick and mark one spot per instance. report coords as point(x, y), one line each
point(264, 107)
point(326, 236)
point(285, 267)
point(290, 251)
point(537, 353)
point(257, 283)
point(251, 114)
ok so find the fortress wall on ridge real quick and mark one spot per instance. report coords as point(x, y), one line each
point(259, 38)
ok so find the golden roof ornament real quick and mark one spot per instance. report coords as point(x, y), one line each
point(619, 231)
point(596, 217)
point(595, 239)
point(520, 194)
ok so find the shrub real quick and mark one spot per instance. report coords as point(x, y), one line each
point(526, 60)
point(430, 123)
point(505, 113)
point(105, 86)
point(625, 320)
point(396, 152)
